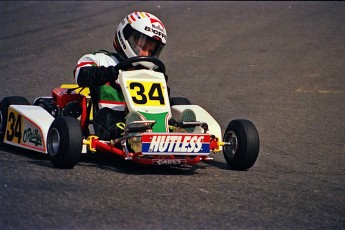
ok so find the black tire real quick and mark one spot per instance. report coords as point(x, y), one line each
point(4, 104)
point(65, 142)
point(243, 152)
point(179, 101)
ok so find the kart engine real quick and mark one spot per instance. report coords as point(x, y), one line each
point(64, 102)
point(68, 101)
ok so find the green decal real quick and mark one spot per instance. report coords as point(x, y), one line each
point(32, 136)
point(161, 123)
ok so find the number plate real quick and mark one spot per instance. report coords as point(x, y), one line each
point(145, 91)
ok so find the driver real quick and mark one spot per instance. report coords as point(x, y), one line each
point(138, 34)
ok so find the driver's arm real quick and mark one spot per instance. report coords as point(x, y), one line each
point(88, 73)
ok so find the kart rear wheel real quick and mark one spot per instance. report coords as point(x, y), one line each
point(65, 142)
point(243, 148)
point(179, 101)
point(4, 104)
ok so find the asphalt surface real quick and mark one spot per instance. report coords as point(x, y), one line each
point(279, 64)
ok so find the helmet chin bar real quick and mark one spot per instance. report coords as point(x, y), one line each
point(145, 64)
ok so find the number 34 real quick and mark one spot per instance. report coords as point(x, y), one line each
point(147, 93)
point(14, 127)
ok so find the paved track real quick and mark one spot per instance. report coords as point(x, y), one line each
point(279, 64)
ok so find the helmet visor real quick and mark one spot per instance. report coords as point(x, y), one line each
point(143, 45)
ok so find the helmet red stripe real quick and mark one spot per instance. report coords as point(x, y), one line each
point(86, 63)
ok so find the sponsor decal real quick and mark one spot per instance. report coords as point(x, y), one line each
point(169, 161)
point(190, 144)
point(156, 32)
point(33, 137)
point(121, 40)
point(153, 20)
point(158, 27)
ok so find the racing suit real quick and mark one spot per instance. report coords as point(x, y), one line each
point(96, 71)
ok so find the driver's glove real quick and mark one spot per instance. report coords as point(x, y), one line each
point(97, 75)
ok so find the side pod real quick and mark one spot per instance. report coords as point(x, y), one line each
point(27, 127)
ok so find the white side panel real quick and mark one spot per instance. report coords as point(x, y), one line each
point(27, 127)
point(201, 115)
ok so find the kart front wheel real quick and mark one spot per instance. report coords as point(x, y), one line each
point(242, 144)
point(65, 142)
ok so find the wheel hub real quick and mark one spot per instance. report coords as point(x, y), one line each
point(1, 122)
point(233, 142)
point(53, 144)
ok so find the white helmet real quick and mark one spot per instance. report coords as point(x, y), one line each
point(138, 30)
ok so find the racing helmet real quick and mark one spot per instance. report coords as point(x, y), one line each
point(138, 32)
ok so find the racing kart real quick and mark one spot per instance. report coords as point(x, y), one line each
point(61, 125)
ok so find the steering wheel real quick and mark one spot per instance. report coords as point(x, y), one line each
point(128, 63)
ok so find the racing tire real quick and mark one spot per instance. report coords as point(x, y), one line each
point(245, 144)
point(4, 104)
point(179, 101)
point(65, 142)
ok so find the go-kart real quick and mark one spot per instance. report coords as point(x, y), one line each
point(61, 125)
